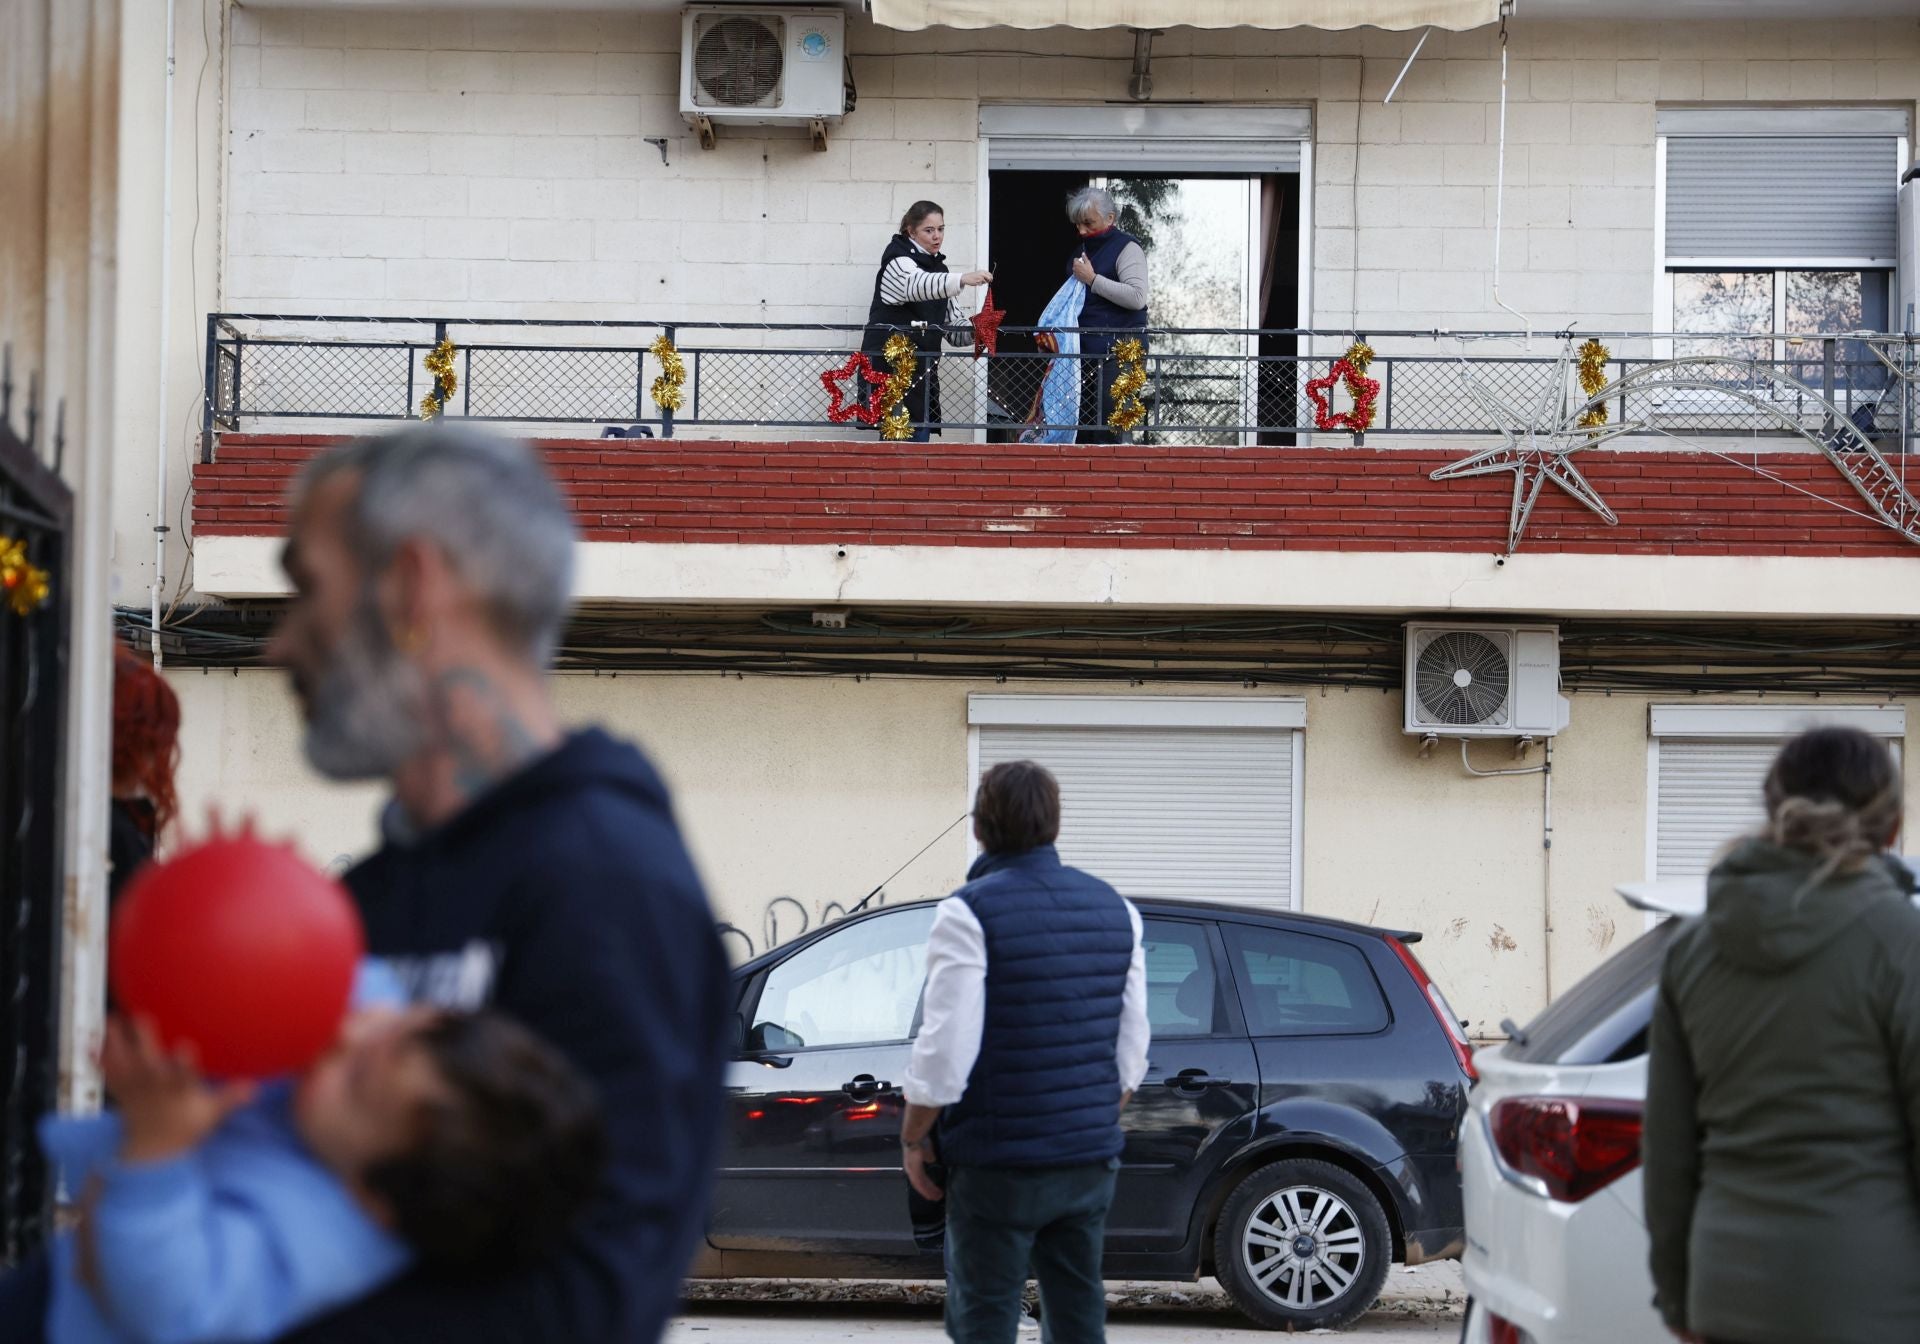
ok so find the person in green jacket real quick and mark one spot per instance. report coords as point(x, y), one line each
point(1782, 1143)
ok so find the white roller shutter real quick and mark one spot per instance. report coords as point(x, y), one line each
point(1198, 812)
point(1147, 138)
point(1710, 762)
point(1708, 793)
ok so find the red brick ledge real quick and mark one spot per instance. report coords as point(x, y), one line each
point(1125, 497)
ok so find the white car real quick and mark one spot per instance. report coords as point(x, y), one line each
point(1556, 1244)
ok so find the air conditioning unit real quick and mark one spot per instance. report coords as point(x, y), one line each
point(1483, 680)
point(762, 67)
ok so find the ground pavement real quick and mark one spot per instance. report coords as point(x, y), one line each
point(1416, 1304)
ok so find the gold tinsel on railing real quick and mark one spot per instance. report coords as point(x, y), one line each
point(668, 388)
point(446, 382)
point(1359, 354)
point(25, 584)
point(895, 423)
point(1593, 377)
point(1128, 409)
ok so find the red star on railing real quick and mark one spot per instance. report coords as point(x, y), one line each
point(986, 327)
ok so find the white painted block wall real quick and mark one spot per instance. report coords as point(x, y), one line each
point(484, 163)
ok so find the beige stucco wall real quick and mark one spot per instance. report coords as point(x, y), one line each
point(801, 794)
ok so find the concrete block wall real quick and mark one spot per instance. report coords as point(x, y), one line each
point(496, 163)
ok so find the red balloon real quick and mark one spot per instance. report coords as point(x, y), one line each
point(241, 948)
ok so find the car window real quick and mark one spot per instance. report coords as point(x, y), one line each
point(1604, 1018)
point(1295, 984)
point(856, 986)
point(1183, 993)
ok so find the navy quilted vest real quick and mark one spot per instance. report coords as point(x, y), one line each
point(1103, 254)
point(1045, 1091)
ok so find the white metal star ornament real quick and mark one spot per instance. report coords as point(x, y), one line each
point(1536, 449)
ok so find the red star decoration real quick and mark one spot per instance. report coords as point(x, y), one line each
point(841, 410)
point(986, 327)
point(1364, 391)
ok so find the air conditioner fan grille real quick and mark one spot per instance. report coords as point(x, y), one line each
point(738, 62)
point(1461, 679)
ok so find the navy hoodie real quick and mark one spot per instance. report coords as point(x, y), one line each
point(565, 898)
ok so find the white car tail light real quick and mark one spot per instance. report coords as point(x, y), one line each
point(1566, 1148)
point(1500, 1330)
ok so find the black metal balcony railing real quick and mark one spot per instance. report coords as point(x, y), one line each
point(1207, 386)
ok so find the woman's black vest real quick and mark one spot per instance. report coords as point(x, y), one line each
point(884, 318)
point(1103, 253)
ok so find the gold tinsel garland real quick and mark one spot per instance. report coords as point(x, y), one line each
point(895, 423)
point(26, 585)
point(668, 388)
point(1593, 377)
point(1359, 354)
point(446, 382)
point(1128, 409)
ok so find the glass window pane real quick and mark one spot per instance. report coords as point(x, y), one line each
point(1294, 984)
point(1823, 301)
point(1182, 992)
point(857, 986)
point(1724, 304)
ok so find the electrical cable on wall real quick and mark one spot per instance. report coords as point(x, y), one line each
point(1500, 178)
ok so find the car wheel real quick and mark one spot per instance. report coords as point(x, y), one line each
point(1302, 1245)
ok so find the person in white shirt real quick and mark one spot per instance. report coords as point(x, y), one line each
point(1033, 1037)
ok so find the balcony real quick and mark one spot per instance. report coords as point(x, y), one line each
point(1716, 478)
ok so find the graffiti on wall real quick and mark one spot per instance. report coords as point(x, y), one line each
point(786, 918)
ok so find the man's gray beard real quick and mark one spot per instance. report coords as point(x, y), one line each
point(368, 712)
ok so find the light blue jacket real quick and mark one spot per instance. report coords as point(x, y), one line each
point(237, 1240)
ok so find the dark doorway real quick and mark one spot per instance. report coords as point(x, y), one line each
point(1033, 245)
point(1207, 240)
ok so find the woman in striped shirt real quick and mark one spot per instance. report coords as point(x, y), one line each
point(914, 293)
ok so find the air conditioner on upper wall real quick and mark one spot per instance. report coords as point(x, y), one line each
point(1483, 680)
point(762, 67)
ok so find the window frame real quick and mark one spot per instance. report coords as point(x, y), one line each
point(1665, 267)
point(1729, 722)
point(1234, 1026)
point(1366, 961)
point(755, 991)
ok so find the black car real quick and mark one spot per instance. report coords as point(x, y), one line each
point(1294, 1135)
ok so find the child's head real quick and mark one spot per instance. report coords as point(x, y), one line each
point(466, 1132)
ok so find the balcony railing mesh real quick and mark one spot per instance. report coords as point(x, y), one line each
point(1210, 386)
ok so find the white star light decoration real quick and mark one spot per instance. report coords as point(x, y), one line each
point(1537, 449)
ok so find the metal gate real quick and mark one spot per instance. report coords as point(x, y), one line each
point(36, 509)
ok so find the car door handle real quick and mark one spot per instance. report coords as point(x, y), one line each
point(865, 1085)
point(1195, 1080)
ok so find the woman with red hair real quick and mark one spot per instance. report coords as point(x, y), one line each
point(146, 748)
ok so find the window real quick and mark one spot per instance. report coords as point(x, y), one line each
point(857, 986)
point(1296, 984)
point(1175, 796)
point(1183, 993)
point(1706, 765)
point(1780, 220)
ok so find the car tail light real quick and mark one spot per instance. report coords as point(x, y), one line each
point(1500, 1330)
point(1456, 1034)
point(1568, 1148)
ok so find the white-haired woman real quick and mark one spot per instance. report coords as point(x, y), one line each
point(1112, 265)
point(1782, 1146)
point(914, 293)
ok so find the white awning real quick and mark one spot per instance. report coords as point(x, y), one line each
point(1456, 15)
